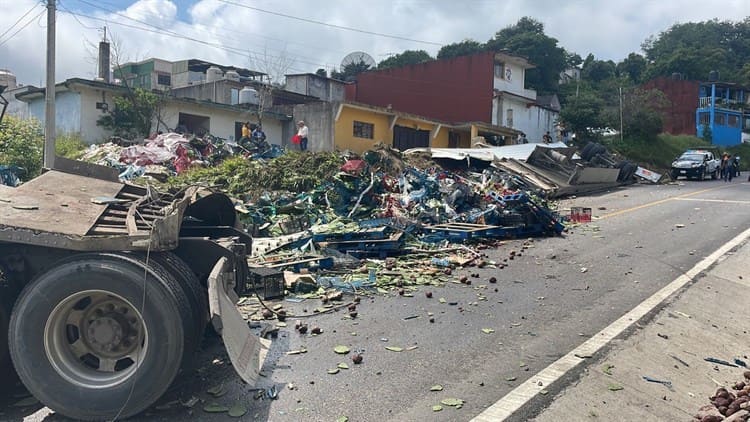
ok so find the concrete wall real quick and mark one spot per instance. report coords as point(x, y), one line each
point(90, 131)
point(222, 122)
point(533, 120)
point(16, 107)
point(67, 113)
point(319, 119)
point(308, 84)
point(514, 84)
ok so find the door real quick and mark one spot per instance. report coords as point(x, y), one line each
point(405, 138)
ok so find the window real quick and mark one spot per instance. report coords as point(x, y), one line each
point(734, 121)
point(163, 79)
point(720, 119)
point(235, 93)
point(704, 119)
point(509, 118)
point(364, 130)
point(499, 70)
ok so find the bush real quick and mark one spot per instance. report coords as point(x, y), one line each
point(70, 146)
point(22, 145)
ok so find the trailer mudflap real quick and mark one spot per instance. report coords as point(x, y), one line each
point(246, 351)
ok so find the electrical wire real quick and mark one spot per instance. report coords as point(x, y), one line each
point(330, 25)
point(18, 20)
point(65, 9)
point(163, 31)
point(22, 28)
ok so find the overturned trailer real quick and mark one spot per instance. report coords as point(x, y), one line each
point(554, 169)
point(106, 288)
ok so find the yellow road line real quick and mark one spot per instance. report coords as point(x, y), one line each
point(661, 201)
point(722, 201)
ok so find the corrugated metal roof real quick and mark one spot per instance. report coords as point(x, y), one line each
point(517, 152)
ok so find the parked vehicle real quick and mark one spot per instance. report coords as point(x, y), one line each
point(106, 288)
point(696, 164)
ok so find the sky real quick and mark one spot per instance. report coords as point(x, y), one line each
point(297, 36)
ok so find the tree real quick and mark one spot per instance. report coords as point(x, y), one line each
point(321, 72)
point(696, 48)
point(597, 70)
point(527, 38)
point(349, 72)
point(21, 145)
point(633, 67)
point(463, 48)
point(641, 113)
point(582, 113)
point(406, 58)
point(132, 114)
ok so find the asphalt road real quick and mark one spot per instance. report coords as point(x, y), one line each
point(548, 301)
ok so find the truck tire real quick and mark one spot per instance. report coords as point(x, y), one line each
point(5, 364)
point(715, 174)
point(97, 337)
point(196, 293)
point(191, 335)
point(701, 173)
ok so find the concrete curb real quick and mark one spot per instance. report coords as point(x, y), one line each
point(516, 404)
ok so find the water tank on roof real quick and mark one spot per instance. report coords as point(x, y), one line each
point(713, 76)
point(232, 76)
point(213, 74)
point(248, 96)
point(8, 79)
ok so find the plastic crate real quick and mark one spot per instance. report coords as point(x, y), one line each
point(266, 282)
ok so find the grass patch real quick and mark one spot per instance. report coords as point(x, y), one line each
point(70, 146)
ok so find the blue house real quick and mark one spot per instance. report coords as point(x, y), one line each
point(724, 108)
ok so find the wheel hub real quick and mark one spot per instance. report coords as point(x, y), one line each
point(95, 339)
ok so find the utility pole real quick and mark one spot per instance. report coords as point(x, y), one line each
point(49, 110)
point(621, 134)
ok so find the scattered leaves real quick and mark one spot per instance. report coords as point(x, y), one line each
point(615, 387)
point(394, 348)
point(437, 408)
point(215, 408)
point(342, 350)
point(488, 330)
point(333, 371)
point(607, 368)
point(436, 387)
point(342, 365)
point(452, 401)
point(238, 410)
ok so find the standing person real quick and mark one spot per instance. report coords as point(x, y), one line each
point(245, 139)
point(737, 165)
point(725, 167)
point(302, 132)
point(547, 138)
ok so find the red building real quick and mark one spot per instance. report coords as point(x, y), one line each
point(486, 87)
point(454, 90)
point(679, 115)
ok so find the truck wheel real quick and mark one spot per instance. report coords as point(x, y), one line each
point(97, 337)
point(192, 337)
point(196, 293)
point(701, 173)
point(5, 364)
point(715, 174)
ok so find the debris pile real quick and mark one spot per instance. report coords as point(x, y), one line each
point(728, 405)
point(170, 153)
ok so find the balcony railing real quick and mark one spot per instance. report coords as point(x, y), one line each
point(705, 102)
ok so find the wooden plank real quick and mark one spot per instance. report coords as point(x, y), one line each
point(63, 201)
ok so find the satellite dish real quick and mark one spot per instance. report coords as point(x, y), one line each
point(358, 57)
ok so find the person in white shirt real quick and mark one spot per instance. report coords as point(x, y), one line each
point(302, 132)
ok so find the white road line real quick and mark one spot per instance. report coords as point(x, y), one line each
point(514, 400)
point(723, 201)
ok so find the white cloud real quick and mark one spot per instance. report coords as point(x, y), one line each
point(610, 30)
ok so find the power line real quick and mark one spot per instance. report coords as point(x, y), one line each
point(62, 6)
point(22, 28)
point(19, 20)
point(330, 25)
point(232, 50)
point(162, 31)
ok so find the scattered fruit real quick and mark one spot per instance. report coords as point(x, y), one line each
point(428, 295)
point(357, 359)
point(316, 330)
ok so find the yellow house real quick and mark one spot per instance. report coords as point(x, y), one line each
point(359, 127)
